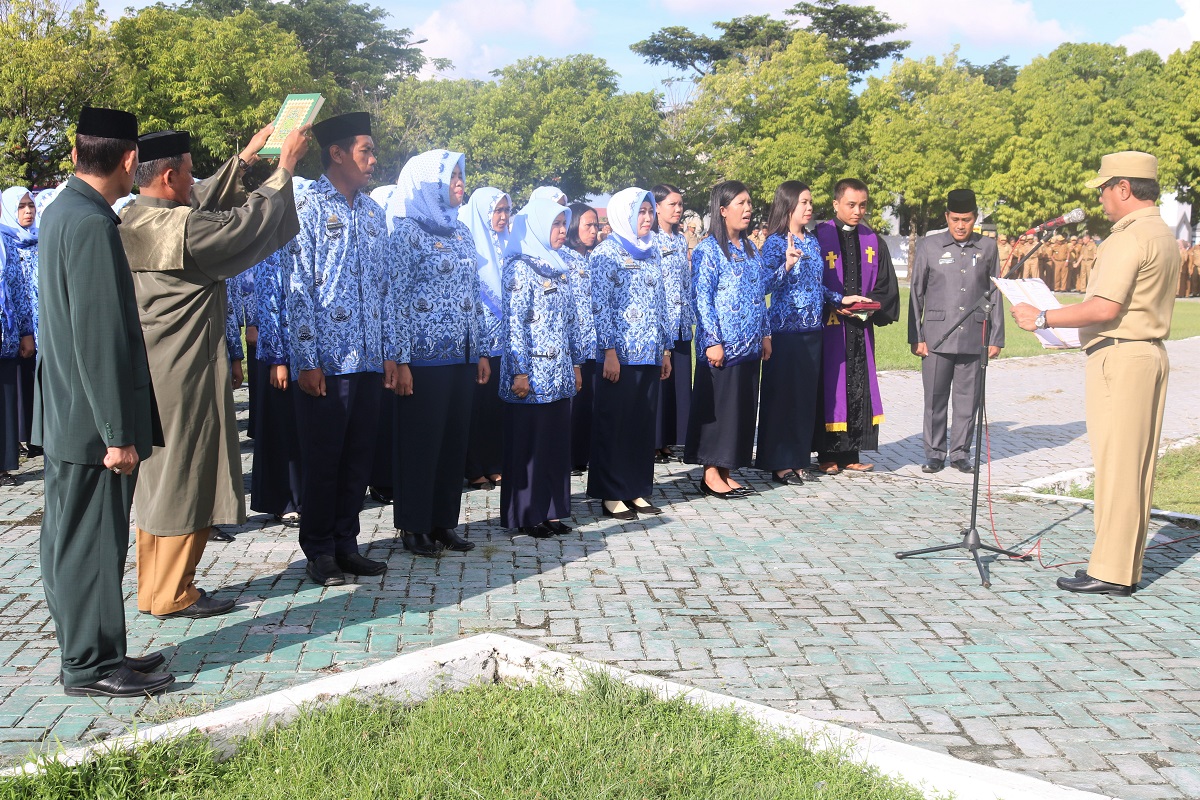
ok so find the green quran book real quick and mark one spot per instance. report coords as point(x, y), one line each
point(297, 110)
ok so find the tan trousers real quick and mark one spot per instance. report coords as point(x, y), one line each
point(166, 570)
point(1126, 393)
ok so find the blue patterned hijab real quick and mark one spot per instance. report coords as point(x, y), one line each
point(531, 232)
point(476, 214)
point(623, 215)
point(551, 193)
point(12, 198)
point(423, 191)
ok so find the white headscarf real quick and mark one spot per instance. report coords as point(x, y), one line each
point(383, 195)
point(623, 215)
point(476, 214)
point(531, 232)
point(551, 193)
point(43, 199)
point(11, 199)
point(423, 191)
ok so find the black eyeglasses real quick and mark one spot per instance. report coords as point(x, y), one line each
point(1108, 185)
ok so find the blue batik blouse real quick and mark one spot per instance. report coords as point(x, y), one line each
point(541, 333)
point(731, 307)
point(631, 305)
point(579, 278)
point(797, 296)
point(677, 284)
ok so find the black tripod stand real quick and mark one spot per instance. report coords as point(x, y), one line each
point(971, 541)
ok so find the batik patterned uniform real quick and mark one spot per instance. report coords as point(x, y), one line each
point(677, 285)
point(797, 296)
point(270, 309)
point(631, 305)
point(731, 309)
point(16, 304)
point(337, 285)
point(541, 333)
point(579, 279)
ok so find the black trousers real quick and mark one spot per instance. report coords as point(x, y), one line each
point(253, 387)
point(337, 440)
point(485, 446)
point(623, 434)
point(385, 442)
point(537, 463)
point(277, 475)
point(581, 416)
point(432, 426)
point(787, 411)
point(10, 423)
point(85, 537)
point(675, 399)
point(25, 371)
point(724, 412)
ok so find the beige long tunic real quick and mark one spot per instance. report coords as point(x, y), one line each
point(180, 257)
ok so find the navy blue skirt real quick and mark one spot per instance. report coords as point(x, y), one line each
point(675, 399)
point(623, 416)
point(537, 463)
point(787, 411)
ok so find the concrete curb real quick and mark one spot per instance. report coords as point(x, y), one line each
point(489, 658)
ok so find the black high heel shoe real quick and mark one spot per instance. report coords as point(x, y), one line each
point(711, 492)
point(558, 526)
point(625, 516)
point(540, 531)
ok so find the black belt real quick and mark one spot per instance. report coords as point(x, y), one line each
point(1107, 341)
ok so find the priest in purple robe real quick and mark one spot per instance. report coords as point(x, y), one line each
point(857, 270)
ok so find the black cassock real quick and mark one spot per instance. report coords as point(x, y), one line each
point(861, 431)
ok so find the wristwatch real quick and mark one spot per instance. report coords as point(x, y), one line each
point(1040, 322)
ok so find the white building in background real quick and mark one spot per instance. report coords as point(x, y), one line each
point(1178, 216)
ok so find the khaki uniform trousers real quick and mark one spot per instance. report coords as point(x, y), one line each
point(1126, 394)
point(166, 570)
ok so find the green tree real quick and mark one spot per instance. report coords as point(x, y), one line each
point(740, 38)
point(852, 32)
point(1178, 146)
point(999, 73)
point(776, 120)
point(175, 78)
point(1071, 107)
point(924, 129)
point(423, 115)
point(54, 59)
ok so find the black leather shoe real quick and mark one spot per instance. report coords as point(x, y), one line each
point(6, 479)
point(711, 492)
point(324, 571)
point(145, 663)
point(356, 564)
point(205, 606)
point(217, 535)
point(790, 478)
point(452, 541)
point(577, 472)
point(125, 682)
point(380, 494)
point(962, 465)
point(644, 507)
point(558, 526)
point(420, 544)
point(1090, 585)
point(483, 486)
point(539, 531)
point(933, 465)
point(627, 515)
point(742, 491)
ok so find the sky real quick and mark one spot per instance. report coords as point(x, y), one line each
point(481, 35)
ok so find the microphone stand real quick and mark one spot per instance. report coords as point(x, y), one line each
point(971, 541)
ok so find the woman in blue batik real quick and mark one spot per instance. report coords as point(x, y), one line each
point(539, 373)
point(675, 401)
point(437, 343)
point(733, 337)
point(633, 341)
point(16, 342)
point(551, 193)
point(487, 214)
point(787, 410)
point(18, 227)
point(583, 230)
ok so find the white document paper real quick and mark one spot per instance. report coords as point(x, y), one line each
point(1037, 294)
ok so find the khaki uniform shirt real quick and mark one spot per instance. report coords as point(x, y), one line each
point(1138, 267)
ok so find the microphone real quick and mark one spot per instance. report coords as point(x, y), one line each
point(1070, 218)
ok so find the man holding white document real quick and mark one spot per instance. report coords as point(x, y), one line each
point(1122, 321)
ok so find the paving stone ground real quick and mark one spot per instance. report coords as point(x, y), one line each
point(792, 598)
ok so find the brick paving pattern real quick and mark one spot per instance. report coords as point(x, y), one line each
point(791, 598)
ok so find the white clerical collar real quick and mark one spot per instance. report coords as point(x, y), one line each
point(846, 227)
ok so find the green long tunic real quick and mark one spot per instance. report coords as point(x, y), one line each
point(180, 257)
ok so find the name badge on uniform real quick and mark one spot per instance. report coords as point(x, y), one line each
point(548, 287)
point(668, 251)
point(631, 263)
point(946, 259)
point(333, 224)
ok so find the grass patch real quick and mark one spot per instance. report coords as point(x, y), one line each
point(891, 341)
point(496, 741)
point(1176, 482)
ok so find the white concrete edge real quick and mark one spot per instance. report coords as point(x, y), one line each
point(490, 657)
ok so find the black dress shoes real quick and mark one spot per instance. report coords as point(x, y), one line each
point(642, 506)
point(577, 472)
point(380, 494)
point(540, 531)
point(125, 682)
point(205, 606)
point(790, 478)
point(420, 544)
point(963, 465)
point(625, 514)
point(1090, 585)
point(217, 535)
point(145, 663)
point(558, 526)
point(452, 541)
point(324, 571)
point(933, 465)
point(711, 492)
point(356, 564)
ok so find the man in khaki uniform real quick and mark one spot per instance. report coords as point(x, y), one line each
point(1125, 315)
point(1185, 275)
point(1058, 252)
point(1006, 253)
point(1087, 258)
point(1073, 263)
point(1194, 260)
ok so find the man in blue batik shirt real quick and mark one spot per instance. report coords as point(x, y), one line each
point(335, 306)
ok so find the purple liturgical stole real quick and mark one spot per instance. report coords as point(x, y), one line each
point(833, 366)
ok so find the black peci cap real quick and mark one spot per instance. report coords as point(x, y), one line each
point(346, 126)
point(163, 144)
point(961, 201)
point(107, 123)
